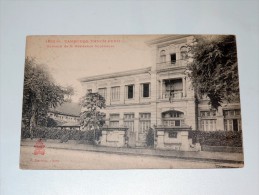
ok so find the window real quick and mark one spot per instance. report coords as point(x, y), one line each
point(145, 116)
point(144, 122)
point(115, 93)
point(211, 113)
point(128, 116)
point(232, 120)
point(172, 89)
point(114, 124)
point(130, 91)
point(173, 58)
point(172, 118)
point(162, 56)
point(102, 92)
point(177, 123)
point(172, 114)
point(172, 123)
point(129, 121)
point(208, 125)
point(146, 90)
point(208, 120)
point(114, 116)
point(114, 120)
point(231, 113)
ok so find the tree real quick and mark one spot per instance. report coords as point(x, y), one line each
point(213, 68)
point(90, 116)
point(40, 94)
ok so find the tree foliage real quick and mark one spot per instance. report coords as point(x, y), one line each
point(90, 116)
point(213, 69)
point(40, 94)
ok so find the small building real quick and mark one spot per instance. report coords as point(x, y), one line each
point(67, 115)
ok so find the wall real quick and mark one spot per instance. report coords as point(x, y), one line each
point(180, 142)
point(113, 138)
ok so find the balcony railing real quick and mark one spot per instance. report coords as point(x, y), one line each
point(174, 95)
point(171, 64)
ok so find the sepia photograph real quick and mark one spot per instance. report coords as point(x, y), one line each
point(131, 102)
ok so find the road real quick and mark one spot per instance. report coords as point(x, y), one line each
point(76, 159)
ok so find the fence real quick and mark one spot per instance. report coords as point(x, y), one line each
point(62, 135)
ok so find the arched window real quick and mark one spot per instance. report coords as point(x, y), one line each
point(184, 53)
point(172, 118)
point(162, 56)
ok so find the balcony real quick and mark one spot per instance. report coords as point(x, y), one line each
point(174, 95)
point(171, 64)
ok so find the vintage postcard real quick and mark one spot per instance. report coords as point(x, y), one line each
point(131, 102)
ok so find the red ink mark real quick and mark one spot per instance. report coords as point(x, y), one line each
point(39, 148)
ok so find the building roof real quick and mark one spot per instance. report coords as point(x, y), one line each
point(68, 108)
point(70, 124)
point(116, 74)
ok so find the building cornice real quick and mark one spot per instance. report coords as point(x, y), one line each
point(129, 104)
point(166, 38)
point(116, 74)
point(172, 68)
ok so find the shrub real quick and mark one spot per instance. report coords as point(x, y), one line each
point(59, 134)
point(150, 137)
point(87, 136)
point(25, 133)
point(217, 138)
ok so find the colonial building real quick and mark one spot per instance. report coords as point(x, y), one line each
point(160, 95)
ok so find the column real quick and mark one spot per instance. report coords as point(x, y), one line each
point(159, 117)
point(161, 89)
point(160, 139)
point(122, 94)
point(154, 58)
point(136, 124)
point(190, 116)
point(184, 141)
point(220, 119)
point(154, 94)
point(184, 86)
point(104, 138)
point(168, 58)
point(121, 120)
point(108, 96)
point(136, 92)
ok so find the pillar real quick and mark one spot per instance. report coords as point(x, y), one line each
point(121, 120)
point(220, 119)
point(108, 96)
point(136, 124)
point(160, 139)
point(136, 92)
point(122, 93)
point(184, 86)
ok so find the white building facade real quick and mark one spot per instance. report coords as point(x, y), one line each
point(160, 95)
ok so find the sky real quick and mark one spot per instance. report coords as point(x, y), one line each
point(70, 58)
